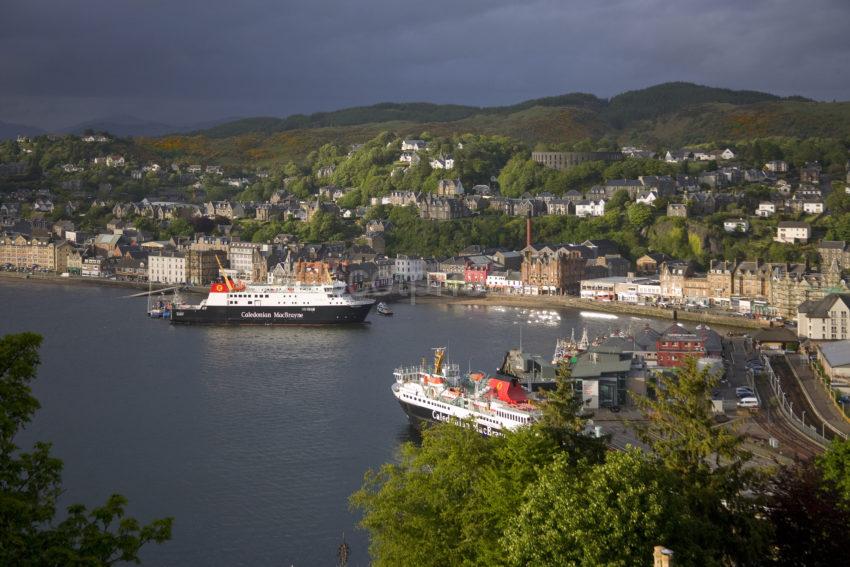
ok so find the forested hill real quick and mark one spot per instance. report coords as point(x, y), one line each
point(621, 111)
point(659, 117)
point(415, 112)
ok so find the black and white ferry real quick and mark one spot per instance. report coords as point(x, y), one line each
point(441, 393)
point(311, 297)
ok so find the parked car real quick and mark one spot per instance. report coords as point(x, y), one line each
point(750, 402)
point(744, 392)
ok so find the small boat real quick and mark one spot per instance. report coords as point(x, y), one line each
point(384, 309)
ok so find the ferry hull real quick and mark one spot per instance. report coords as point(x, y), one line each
point(233, 315)
point(419, 415)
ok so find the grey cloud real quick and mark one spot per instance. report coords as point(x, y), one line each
point(181, 61)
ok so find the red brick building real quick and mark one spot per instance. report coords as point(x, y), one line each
point(476, 273)
point(676, 344)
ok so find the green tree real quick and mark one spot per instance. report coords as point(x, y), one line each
point(810, 516)
point(618, 201)
point(417, 510)
point(610, 514)
point(834, 466)
point(711, 464)
point(30, 486)
point(639, 215)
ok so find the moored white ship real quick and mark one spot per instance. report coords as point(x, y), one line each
point(310, 297)
point(441, 393)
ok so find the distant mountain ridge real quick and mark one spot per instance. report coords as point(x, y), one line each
point(619, 111)
point(10, 131)
point(658, 117)
point(661, 116)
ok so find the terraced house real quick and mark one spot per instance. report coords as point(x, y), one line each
point(24, 252)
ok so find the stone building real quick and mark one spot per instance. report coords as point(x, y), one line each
point(677, 210)
point(672, 279)
point(834, 251)
point(565, 160)
point(441, 208)
point(202, 266)
point(27, 251)
point(449, 188)
point(552, 270)
point(167, 267)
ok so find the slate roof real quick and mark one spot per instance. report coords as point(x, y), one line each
point(595, 364)
point(820, 309)
point(837, 353)
point(833, 244)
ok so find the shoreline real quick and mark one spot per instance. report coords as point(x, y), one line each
point(52, 279)
point(569, 302)
point(526, 301)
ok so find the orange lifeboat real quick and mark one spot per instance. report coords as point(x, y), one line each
point(476, 376)
point(431, 379)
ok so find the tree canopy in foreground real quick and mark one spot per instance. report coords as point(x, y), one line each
point(549, 494)
point(31, 483)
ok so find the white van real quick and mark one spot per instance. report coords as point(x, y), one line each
point(749, 402)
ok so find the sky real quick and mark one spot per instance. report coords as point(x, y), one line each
point(184, 61)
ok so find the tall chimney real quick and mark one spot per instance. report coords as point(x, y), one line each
point(528, 229)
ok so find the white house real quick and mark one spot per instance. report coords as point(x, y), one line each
point(766, 209)
point(443, 163)
point(826, 319)
point(115, 161)
point(590, 208)
point(409, 157)
point(647, 198)
point(167, 268)
point(702, 156)
point(736, 225)
point(413, 145)
point(408, 269)
point(813, 207)
point(776, 166)
point(791, 232)
point(725, 154)
point(97, 138)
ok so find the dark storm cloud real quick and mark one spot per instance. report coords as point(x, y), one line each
point(62, 61)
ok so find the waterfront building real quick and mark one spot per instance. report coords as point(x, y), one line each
point(600, 378)
point(677, 343)
point(95, 267)
point(552, 270)
point(672, 279)
point(409, 268)
point(202, 266)
point(167, 267)
point(241, 256)
point(26, 251)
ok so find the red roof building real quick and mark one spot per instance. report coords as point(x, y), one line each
point(677, 343)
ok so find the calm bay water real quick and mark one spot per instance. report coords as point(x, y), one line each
point(252, 438)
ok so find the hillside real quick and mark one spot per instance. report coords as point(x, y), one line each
point(667, 115)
